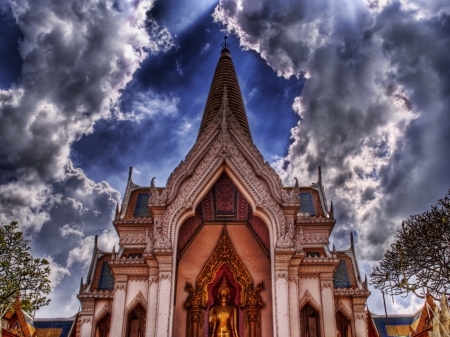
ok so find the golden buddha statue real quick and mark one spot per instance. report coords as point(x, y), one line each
point(223, 317)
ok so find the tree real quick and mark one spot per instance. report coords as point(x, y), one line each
point(21, 275)
point(418, 261)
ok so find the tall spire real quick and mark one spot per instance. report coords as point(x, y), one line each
point(225, 75)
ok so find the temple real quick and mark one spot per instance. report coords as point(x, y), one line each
point(224, 249)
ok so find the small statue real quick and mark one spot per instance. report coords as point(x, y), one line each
point(148, 244)
point(223, 317)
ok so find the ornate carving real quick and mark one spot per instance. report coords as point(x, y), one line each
point(86, 320)
point(360, 316)
point(212, 148)
point(138, 299)
point(250, 298)
point(293, 278)
point(160, 239)
point(340, 306)
point(313, 238)
point(308, 275)
point(149, 244)
point(291, 198)
point(308, 298)
point(281, 275)
point(350, 291)
point(132, 238)
point(165, 276)
point(107, 309)
point(326, 284)
point(287, 240)
point(156, 198)
point(298, 244)
point(120, 287)
point(96, 294)
point(153, 279)
point(127, 260)
point(138, 279)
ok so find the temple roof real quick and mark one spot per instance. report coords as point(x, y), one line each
point(55, 327)
point(225, 74)
point(396, 325)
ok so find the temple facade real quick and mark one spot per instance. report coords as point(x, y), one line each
point(224, 249)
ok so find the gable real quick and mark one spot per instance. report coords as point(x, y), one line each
point(223, 202)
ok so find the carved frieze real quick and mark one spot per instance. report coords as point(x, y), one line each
point(132, 238)
point(315, 238)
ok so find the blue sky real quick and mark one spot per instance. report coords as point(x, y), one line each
point(89, 88)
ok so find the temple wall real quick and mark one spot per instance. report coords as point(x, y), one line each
point(198, 253)
point(133, 288)
point(99, 305)
point(310, 284)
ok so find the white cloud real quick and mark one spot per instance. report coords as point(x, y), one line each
point(77, 58)
point(82, 254)
point(57, 272)
point(67, 230)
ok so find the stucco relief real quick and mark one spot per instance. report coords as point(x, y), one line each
point(132, 238)
point(315, 238)
point(220, 149)
point(309, 299)
point(138, 299)
point(107, 309)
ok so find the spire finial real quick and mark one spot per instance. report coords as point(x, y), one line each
point(225, 44)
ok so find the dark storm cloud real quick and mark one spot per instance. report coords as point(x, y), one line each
point(373, 111)
point(77, 56)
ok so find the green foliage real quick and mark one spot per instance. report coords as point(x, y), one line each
point(21, 275)
point(418, 261)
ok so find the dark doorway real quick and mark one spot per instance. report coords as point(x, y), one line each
point(343, 325)
point(309, 322)
point(103, 326)
point(137, 322)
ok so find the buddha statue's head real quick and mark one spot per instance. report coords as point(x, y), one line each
point(224, 292)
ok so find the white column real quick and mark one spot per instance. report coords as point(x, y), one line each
point(86, 316)
point(294, 313)
point(152, 297)
point(328, 310)
point(282, 292)
point(164, 294)
point(120, 292)
point(86, 326)
point(359, 315)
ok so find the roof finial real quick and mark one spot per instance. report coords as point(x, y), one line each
point(225, 44)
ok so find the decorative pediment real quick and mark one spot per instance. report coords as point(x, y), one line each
point(138, 299)
point(224, 144)
point(308, 298)
point(224, 253)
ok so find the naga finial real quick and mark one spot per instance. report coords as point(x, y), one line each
point(225, 44)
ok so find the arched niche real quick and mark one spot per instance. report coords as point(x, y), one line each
point(343, 325)
point(223, 202)
point(309, 322)
point(103, 326)
point(311, 317)
point(135, 318)
point(223, 261)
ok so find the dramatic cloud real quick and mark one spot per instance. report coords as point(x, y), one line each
point(77, 57)
point(374, 110)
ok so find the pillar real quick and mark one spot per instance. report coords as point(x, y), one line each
point(120, 292)
point(328, 310)
point(282, 292)
point(152, 297)
point(359, 316)
point(86, 317)
point(294, 313)
point(164, 305)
